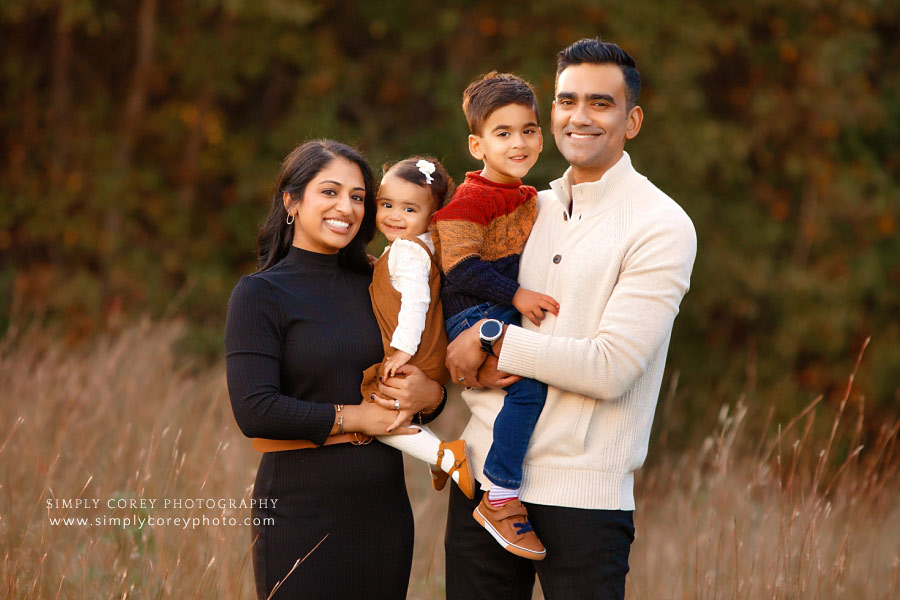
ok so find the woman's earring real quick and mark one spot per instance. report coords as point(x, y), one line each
point(290, 219)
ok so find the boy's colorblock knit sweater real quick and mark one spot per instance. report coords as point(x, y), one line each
point(478, 239)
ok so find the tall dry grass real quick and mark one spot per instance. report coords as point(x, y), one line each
point(788, 516)
point(121, 418)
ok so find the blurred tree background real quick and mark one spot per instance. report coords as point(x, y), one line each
point(142, 139)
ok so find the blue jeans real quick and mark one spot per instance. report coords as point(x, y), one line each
point(521, 407)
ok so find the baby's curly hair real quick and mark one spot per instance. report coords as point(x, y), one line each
point(441, 186)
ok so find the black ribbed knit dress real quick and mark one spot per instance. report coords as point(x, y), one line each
point(297, 340)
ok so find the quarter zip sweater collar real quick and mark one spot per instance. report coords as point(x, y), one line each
point(593, 197)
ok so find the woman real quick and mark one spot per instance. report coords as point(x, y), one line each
point(299, 334)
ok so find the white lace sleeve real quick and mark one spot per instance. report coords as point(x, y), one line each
point(409, 266)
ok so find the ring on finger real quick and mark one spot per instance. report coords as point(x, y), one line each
point(396, 404)
point(461, 379)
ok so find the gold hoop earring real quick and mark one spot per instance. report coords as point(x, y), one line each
point(290, 219)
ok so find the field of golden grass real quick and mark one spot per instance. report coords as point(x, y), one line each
point(790, 515)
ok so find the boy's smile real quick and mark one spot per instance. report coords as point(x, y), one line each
point(509, 144)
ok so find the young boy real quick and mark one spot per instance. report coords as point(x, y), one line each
point(478, 239)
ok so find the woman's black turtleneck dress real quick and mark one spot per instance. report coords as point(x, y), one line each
point(297, 339)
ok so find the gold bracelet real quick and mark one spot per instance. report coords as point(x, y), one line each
point(367, 439)
point(433, 408)
point(340, 416)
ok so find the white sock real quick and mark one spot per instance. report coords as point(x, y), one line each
point(498, 495)
point(424, 446)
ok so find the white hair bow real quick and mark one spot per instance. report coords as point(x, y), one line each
point(426, 168)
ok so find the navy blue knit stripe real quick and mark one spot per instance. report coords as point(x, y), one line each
point(482, 288)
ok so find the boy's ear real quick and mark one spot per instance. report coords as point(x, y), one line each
point(540, 140)
point(475, 147)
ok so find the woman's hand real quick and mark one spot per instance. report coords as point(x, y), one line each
point(371, 419)
point(408, 393)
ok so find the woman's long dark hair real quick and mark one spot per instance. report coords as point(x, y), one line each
point(298, 169)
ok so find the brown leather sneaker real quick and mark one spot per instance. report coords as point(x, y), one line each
point(460, 463)
point(511, 528)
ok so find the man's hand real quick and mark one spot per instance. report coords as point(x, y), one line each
point(465, 356)
point(489, 376)
point(533, 304)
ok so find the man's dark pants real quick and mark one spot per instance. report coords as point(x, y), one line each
point(587, 554)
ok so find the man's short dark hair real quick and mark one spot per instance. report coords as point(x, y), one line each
point(492, 91)
point(595, 52)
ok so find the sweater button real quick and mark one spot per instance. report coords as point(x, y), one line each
point(556, 259)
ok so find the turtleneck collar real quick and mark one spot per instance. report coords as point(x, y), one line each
point(308, 258)
point(592, 197)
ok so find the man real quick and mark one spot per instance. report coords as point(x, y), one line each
point(617, 254)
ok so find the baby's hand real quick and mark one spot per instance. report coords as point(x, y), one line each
point(533, 304)
point(396, 360)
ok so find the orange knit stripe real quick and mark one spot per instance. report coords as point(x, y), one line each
point(457, 240)
point(506, 235)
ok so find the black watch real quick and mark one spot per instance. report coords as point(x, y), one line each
point(489, 332)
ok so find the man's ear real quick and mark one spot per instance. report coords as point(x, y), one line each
point(633, 124)
point(475, 147)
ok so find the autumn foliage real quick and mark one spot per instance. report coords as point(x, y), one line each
point(141, 140)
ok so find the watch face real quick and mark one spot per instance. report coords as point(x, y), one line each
point(491, 329)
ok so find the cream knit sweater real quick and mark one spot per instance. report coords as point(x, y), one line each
point(618, 265)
